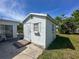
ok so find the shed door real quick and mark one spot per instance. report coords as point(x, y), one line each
point(28, 30)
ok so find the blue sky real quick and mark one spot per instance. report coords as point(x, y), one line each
point(18, 9)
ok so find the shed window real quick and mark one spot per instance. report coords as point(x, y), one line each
point(36, 27)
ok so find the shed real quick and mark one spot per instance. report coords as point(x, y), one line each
point(39, 29)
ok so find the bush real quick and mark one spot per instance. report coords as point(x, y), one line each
point(67, 28)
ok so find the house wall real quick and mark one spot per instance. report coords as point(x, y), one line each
point(50, 34)
point(37, 39)
point(14, 31)
point(14, 24)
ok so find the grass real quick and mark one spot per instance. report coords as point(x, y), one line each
point(63, 47)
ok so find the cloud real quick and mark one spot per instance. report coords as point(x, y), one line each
point(10, 8)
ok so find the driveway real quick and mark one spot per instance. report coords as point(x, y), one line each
point(9, 51)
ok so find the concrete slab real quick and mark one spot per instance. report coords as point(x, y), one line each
point(32, 52)
point(22, 56)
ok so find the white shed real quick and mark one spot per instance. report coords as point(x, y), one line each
point(39, 29)
point(8, 29)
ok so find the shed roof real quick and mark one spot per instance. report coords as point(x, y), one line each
point(38, 14)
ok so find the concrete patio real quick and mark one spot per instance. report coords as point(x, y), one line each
point(9, 51)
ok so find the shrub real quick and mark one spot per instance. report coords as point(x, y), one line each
point(67, 28)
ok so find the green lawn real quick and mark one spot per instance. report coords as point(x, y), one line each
point(64, 47)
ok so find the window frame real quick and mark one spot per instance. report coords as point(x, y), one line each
point(36, 27)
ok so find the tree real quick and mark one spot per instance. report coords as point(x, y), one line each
point(75, 14)
point(58, 20)
point(63, 16)
point(20, 28)
point(68, 19)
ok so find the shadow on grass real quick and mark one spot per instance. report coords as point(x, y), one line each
point(61, 43)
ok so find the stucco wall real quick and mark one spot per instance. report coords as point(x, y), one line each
point(50, 34)
point(39, 40)
point(14, 24)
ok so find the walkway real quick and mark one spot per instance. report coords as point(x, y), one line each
point(32, 52)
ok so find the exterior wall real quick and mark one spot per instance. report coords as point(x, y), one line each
point(50, 34)
point(39, 40)
point(25, 29)
point(14, 31)
point(14, 27)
